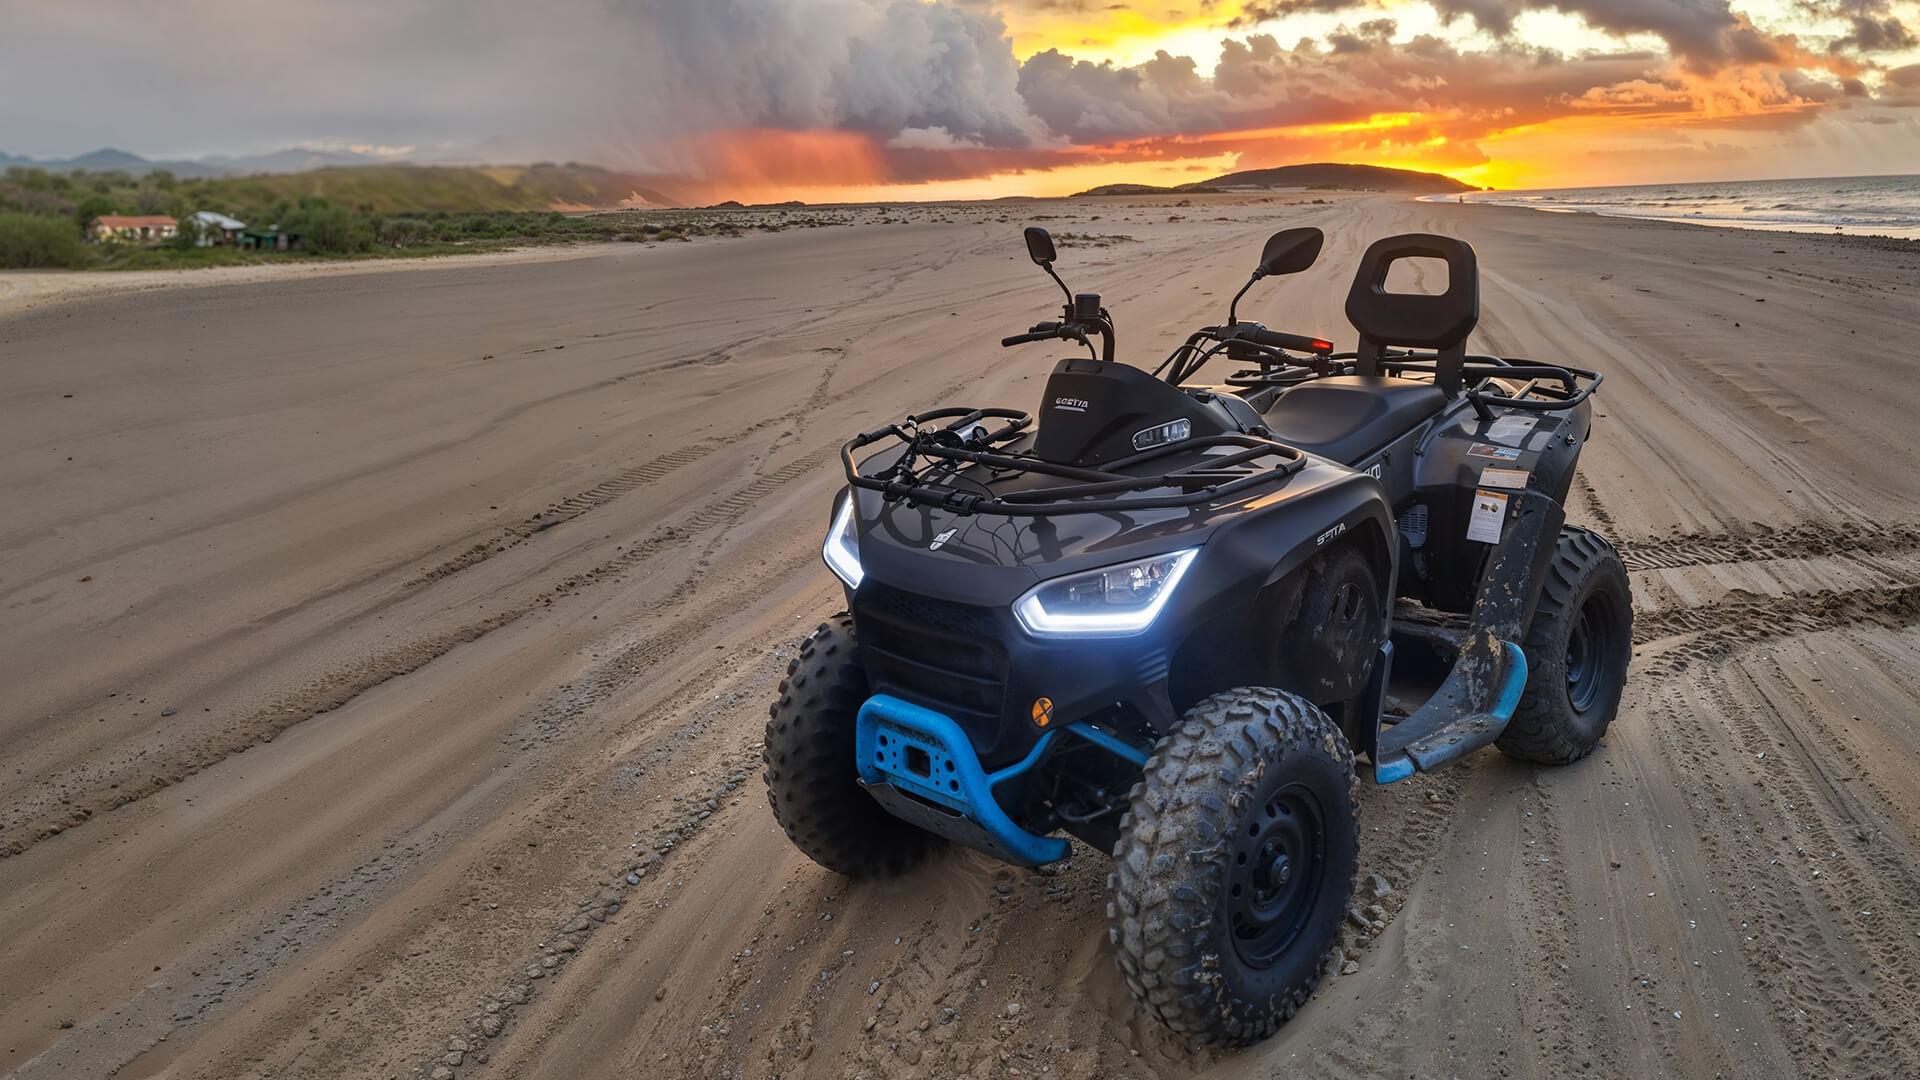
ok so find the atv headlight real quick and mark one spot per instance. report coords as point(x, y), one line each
point(1115, 600)
point(842, 549)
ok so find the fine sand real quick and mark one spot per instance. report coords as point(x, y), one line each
point(364, 631)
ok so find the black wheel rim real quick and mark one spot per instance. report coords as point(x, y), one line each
point(1590, 645)
point(1273, 882)
point(1346, 603)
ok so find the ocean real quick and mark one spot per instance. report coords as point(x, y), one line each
point(1859, 205)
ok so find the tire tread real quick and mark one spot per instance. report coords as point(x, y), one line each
point(1539, 731)
point(1170, 863)
point(811, 775)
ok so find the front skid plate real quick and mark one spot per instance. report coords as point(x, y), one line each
point(920, 766)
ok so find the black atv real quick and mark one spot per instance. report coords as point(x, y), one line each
point(1169, 617)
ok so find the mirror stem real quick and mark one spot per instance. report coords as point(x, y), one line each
point(1048, 267)
point(1234, 304)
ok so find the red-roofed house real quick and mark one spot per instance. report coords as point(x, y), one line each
point(135, 229)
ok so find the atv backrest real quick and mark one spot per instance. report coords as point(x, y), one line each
point(1439, 321)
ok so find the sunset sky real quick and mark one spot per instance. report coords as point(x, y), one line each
point(818, 99)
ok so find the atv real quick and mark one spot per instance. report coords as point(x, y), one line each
point(1170, 616)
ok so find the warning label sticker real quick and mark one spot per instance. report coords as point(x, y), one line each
point(1509, 429)
point(1495, 477)
point(1498, 453)
point(1488, 516)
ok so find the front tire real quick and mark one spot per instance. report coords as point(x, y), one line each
point(812, 775)
point(1577, 647)
point(1235, 864)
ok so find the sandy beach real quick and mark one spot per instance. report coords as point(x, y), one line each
point(366, 628)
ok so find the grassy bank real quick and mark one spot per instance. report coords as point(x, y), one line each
point(329, 232)
point(336, 213)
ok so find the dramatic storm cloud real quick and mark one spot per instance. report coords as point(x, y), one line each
point(877, 66)
point(765, 93)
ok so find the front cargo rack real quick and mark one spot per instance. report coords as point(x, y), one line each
point(933, 453)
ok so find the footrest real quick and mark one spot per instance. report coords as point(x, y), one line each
point(1470, 711)
point(920, 765)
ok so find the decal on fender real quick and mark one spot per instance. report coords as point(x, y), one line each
point(1488, 516)
point(1493, 477)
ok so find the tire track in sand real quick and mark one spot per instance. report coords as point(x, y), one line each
point(1820, 885)
point(1715, 630)
point(83, 799)
point(1818, 879)
point(567, 509)
point(1761, 544)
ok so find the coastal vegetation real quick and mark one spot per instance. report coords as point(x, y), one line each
point(354, 212)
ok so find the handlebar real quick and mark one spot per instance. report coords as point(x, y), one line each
point(1040, 332)
point(1069, 331)
point(1277, 340)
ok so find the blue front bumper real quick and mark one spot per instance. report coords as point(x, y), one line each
point(920, 766)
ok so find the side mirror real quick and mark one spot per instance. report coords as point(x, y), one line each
point(1287, 252)
point(1040, 246)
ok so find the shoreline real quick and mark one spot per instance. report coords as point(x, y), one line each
point(1861, 232)
point(1869, 241)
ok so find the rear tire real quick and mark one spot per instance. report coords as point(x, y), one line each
point(1577, 652)
point(1235, 864)
point(812, 776)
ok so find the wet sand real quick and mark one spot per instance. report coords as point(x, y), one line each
point(364, 631)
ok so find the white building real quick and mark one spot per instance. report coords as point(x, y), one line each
point(215, 228)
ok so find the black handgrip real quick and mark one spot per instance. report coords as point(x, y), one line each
point(1277, 340)
point(1039, 332)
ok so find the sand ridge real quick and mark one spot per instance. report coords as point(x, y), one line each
point(407, 715)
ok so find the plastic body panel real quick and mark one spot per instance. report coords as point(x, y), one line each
point(1452, 462)
point(1092, 409)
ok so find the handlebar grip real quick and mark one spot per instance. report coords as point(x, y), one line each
point(1038, 332)
point(1297, 342)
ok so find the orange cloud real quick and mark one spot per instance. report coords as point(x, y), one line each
point(1497, 112)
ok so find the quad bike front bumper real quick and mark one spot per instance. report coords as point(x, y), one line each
point(920, 766)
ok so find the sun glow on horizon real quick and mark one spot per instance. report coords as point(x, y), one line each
point(1560, 101)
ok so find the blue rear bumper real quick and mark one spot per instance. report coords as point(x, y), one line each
point(921, 767)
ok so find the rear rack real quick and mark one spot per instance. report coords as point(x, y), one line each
point(935, 454)
point(1548, 387)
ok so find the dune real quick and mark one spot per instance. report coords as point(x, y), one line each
point(387, 650)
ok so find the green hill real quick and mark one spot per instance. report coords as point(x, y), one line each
point(1330, 175)
point(399, 188)
point(1318, 175)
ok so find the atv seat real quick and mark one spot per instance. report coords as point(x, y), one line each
point(1346, 417)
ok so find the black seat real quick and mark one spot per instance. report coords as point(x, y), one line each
point(1347, 417)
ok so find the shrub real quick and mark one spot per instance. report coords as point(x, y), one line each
point(331, 230)
point(29, 240)
point(91, 207)
point(403, 232)
point(187, 236)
